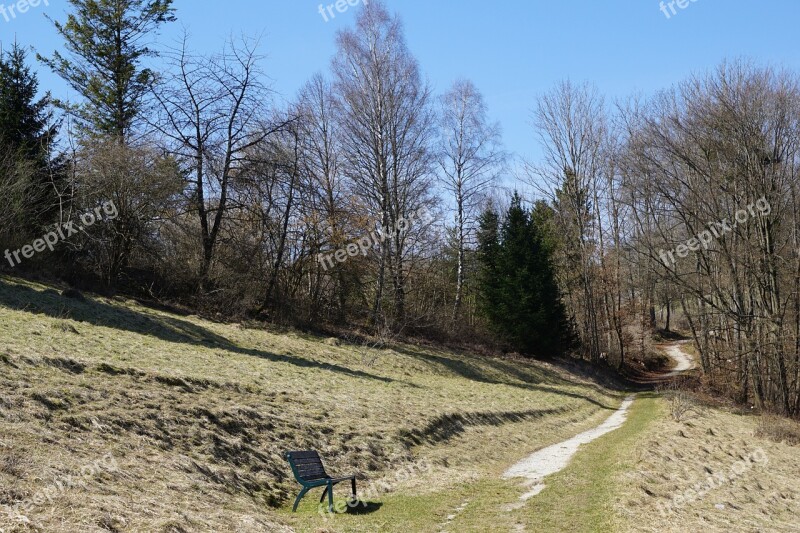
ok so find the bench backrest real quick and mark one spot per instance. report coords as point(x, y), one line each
point(306, 466)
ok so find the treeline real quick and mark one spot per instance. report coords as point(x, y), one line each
point(228, 202)
point(683, 204)
point(231, 204)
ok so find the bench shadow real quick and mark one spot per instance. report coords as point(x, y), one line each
point(364, 508)
point(166, 328)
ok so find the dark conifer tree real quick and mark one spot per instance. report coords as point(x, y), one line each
point(27, 135)
point(108, 40)
point(520, 295)
point(489, 298)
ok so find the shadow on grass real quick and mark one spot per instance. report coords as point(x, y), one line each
point(671, 335)
point(537, 379)
point(443, 428)
point(165, 328)
point(362, 508)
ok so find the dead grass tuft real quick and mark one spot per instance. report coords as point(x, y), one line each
point(12, 465)
point(65, 327)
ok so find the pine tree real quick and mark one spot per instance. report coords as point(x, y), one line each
point(25, 122)
point(27, 136)
point(519, 293)
point(107, 41)
point(489, 300)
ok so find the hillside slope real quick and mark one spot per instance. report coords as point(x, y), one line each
point(713, 469)
point(117, 417)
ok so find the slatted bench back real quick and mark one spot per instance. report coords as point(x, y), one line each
point(307, 466)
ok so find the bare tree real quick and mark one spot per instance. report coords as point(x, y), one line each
point(284, 157)
point(326, 206)
point(386, 127)
point(212, 111)
point(15, 178)
point(719, 159)
point(572, 129)
point(470, 157)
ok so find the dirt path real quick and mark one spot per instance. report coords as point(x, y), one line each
point(550, 460)
point(683, 361)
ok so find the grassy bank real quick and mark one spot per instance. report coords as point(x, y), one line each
point(713, 470)
point(580, 498)
point(196, 415)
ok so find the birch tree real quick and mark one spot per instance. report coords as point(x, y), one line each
point(470, 158)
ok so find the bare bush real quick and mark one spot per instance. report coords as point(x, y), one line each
point(144, 187)
point(778, 429)
point(682, 407)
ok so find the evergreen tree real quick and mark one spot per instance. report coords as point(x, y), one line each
point(25, 122)
point(108, 41)
point(519, 292)
point(27, 137)
point(489, 299)
point(543, 217)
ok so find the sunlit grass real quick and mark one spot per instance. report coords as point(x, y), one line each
point(198, 414)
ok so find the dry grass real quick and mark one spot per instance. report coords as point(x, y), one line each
point(677, 458)
point(197, 414)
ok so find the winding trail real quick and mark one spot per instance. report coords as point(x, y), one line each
point(683, 360)
point(536, 467)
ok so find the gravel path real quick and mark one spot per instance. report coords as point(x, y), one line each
point(556, 457)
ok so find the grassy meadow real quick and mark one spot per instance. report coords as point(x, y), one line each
point(197, 414)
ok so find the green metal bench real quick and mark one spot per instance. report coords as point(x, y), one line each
point(309, 471)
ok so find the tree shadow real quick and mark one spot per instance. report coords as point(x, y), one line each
point(548, 380)
point(445, 427)
point(170, 329)
point(464, 368)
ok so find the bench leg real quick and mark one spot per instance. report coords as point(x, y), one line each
point(324, 493)
point(330, 497)
point(299, 497)
point(354, 490)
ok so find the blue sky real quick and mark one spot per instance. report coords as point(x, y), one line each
point(512, 49)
